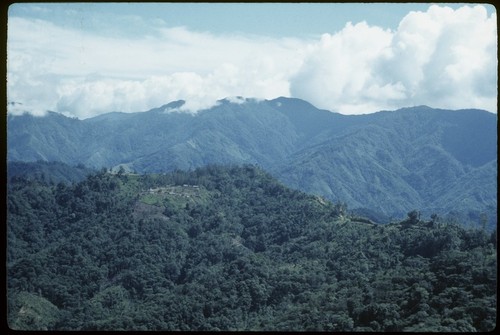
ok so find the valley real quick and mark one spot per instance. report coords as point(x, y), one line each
point(389, 162)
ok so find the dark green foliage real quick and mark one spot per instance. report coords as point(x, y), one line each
point(388, 162)
point(230, 248)
point(29, 311)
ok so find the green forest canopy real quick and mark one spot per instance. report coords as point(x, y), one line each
point(230, 248)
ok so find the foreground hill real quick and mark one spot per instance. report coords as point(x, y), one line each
point(230, 248)
point(389, 162)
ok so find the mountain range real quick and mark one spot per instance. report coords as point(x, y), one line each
point(389, 162)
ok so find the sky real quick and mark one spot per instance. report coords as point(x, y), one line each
point(85, 59)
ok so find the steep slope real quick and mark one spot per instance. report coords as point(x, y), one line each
point(231, 248)
point(471, 190)
point(228, 133)
point(391, 161)
point(361, 168)
point(401, 160)
point(51, 172)
point(53, 137)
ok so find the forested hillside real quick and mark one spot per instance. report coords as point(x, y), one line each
point(387, 162)
point(48, 172)
point(231, 248)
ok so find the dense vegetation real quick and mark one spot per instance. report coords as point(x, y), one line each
point(387, 162)
point(230, 248)
point(48, 172)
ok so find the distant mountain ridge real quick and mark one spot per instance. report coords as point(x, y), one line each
point(390, 161)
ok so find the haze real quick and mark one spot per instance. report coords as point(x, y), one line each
point(87, 59)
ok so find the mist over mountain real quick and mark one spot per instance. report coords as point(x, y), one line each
point(421, 158)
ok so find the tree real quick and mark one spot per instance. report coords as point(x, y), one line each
point(121, 171)
point(483, 219)
point(414, 216)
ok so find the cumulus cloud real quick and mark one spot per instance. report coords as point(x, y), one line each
point(337, 71)
point(449, 61)
point(442, 58)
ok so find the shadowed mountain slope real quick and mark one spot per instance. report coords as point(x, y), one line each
point(390, 161)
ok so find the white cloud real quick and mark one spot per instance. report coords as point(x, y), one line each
point(83, 74)
point(442, 57)
point(338, 70)
point(454, 58)
point(85, 98)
